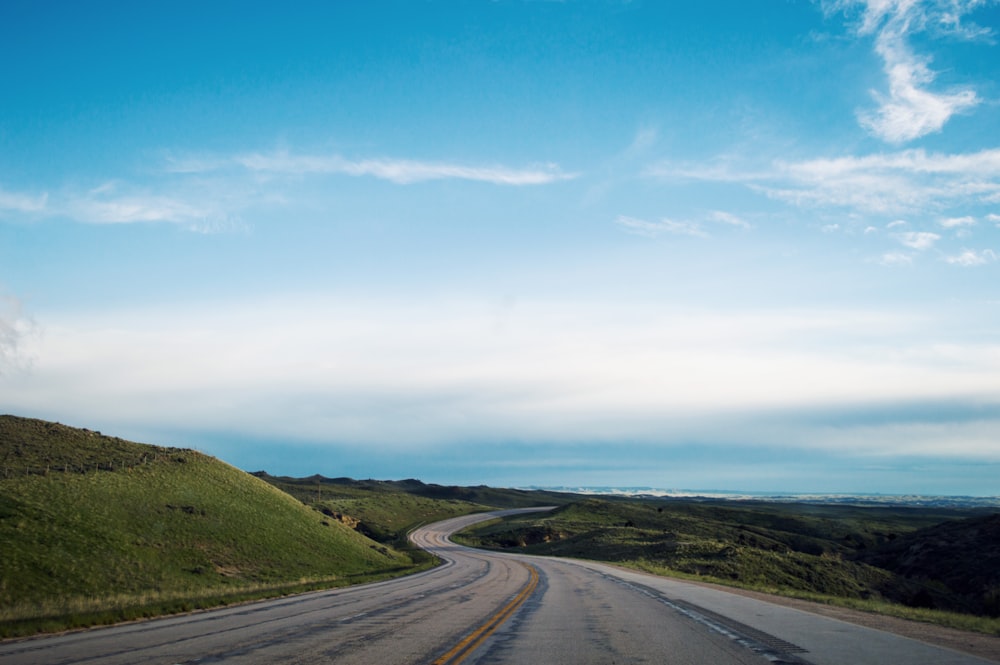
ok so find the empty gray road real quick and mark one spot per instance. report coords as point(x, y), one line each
point(492, 608)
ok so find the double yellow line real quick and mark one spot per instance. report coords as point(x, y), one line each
point(473, 640)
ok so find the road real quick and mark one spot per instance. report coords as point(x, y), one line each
point(489, 608)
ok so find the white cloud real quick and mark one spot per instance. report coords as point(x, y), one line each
point(654, 229)
point(207, 194)
point(399, 373)
point(15, 330)
point(683, 227)
point(969, 258)
point(114, 202)
point(909, 181)
point(896, 259)
point(919, 240)
point(911, 109)
point(717, 171)
point(24, 203)
point(958, 222)
point(896, 224)
point(132, 208)
point(400, 171)
point(722, 217)
point(902, 181)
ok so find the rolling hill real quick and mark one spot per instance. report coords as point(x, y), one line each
point(97, 529)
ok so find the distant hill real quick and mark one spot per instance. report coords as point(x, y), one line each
point(956, 563)
point(95, 528)
point(386, 509)
point(481, 494)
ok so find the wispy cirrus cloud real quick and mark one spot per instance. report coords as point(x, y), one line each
point(665, 226)
point(21, 203)
point(911, 180)
point(115, 202)
point(884, 183)
point(911, 109)
point(178, 193)
point(108, 204)
point(649, 229)
point(922, 199)
point(722, 217)
point(399, 171)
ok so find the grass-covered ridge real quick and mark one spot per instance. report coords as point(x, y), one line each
point(889, 559)
point(96, 529)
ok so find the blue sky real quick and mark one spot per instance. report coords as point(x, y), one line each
point(728, 245)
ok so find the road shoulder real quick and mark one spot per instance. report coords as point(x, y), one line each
point(974, 644)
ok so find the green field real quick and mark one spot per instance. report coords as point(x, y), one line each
point(850, 555)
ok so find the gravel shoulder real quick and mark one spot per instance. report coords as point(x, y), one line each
point(976, 644)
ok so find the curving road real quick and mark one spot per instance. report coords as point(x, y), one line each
point(490, 608)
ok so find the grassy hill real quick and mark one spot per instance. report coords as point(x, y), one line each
point(921, 563)
point(97, 529)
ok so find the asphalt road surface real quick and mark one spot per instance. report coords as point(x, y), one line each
point(488, 608)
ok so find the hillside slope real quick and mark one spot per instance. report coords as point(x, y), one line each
point(957, 564)
point(166, 529)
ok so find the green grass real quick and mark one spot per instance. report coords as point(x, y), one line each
point(30, 447)
point(176, 531)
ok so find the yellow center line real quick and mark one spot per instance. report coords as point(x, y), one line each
point(473, 640)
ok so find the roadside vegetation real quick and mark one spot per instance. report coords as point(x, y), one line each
point(940, 565)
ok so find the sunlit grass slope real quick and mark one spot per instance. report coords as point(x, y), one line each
point(166, 530)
